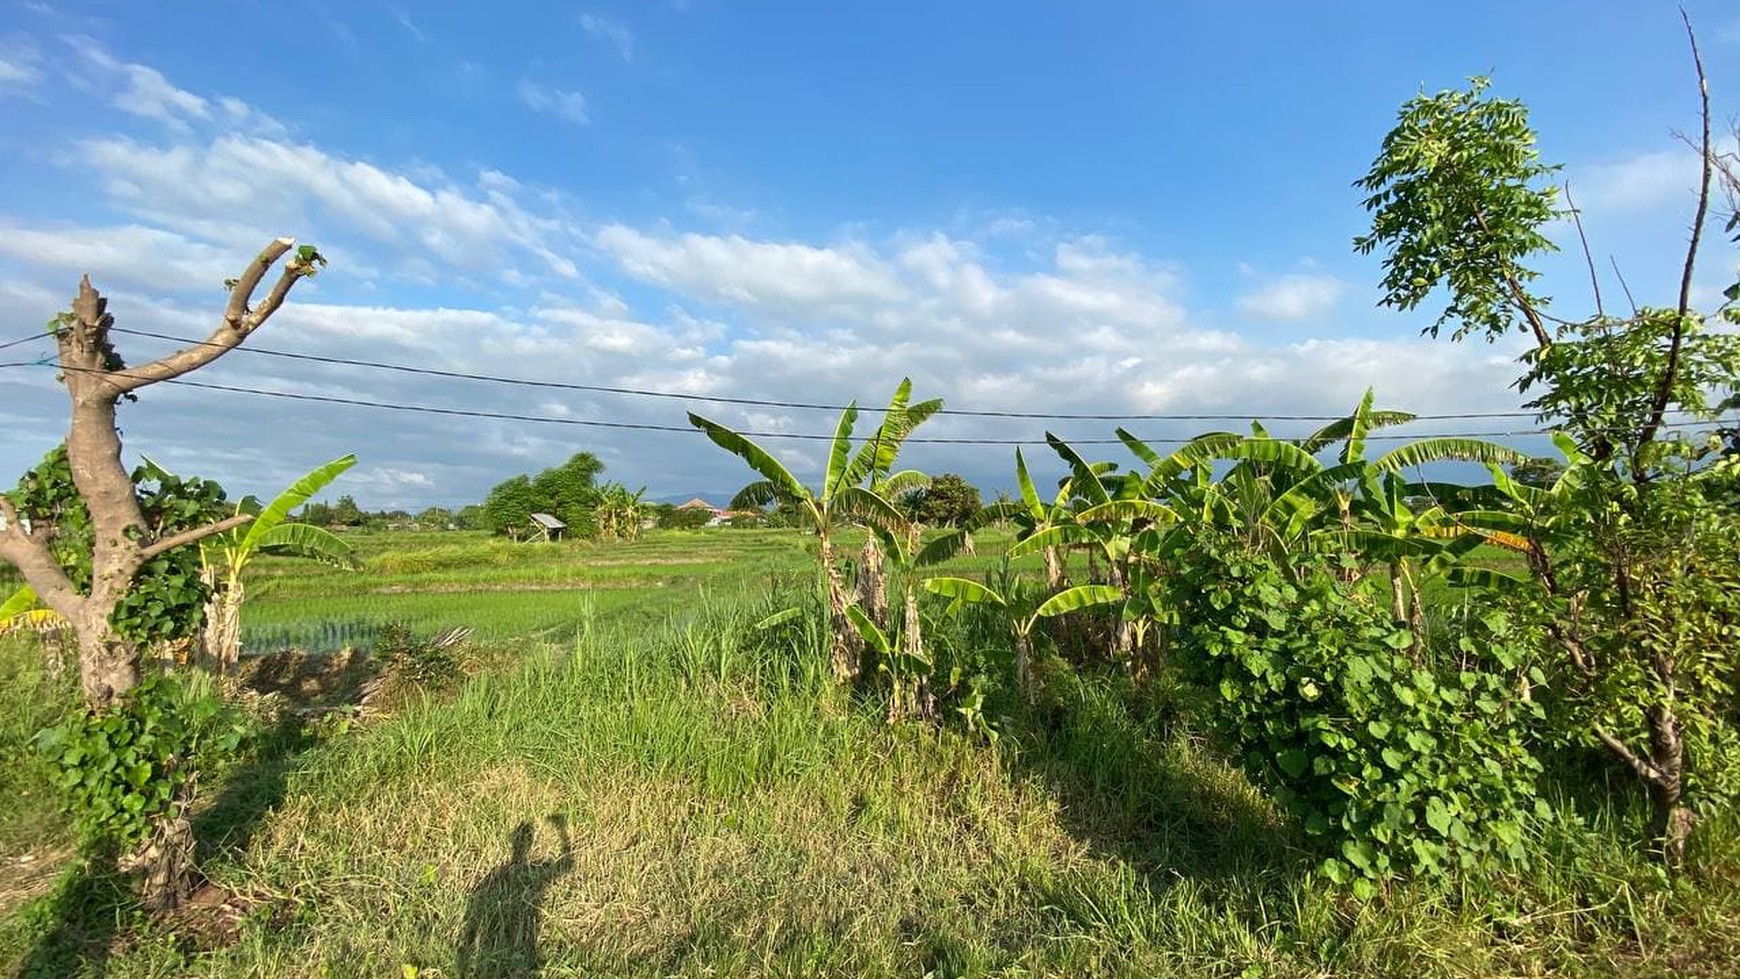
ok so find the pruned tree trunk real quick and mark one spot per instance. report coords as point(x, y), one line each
point(96, 379)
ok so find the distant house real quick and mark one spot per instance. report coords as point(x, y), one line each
point(720, 515)
point(546, 528)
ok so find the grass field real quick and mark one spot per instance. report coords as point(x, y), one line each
point(729, 812)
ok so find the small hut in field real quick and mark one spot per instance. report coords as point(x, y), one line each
point(545, 527)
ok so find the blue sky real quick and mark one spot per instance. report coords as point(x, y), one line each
point(1102, 207)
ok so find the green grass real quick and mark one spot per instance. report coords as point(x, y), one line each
point(733, 813)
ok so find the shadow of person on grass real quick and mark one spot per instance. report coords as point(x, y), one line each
point(504, 914)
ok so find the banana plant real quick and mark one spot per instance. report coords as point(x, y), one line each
point(224, 557)
point(619, 512)
point(965, 591)
point(842, 496)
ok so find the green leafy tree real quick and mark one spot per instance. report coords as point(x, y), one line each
point(1539, 472)
point(345, 513)
point(1636, 647)
point(510, 505)
point(948, 501)
point(1458, 198)
point(435, 518)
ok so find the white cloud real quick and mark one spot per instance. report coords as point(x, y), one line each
point(1638, 183)
point(568, 105)
point(612, 30)
point(737, 270)
point(238, 188)
point(141, 256)
point(20, 66)
point(143, 91)
point(1293, 297)
point(403, 16)
point(140, 89)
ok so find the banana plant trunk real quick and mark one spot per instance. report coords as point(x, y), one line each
point(873, 581)
point(1398, 594)
point(1024, 664)
point(223, 624)
point(844, 647)
point(1053, 569)
point(923, 703)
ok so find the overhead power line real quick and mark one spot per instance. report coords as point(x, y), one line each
point(24, 339)
point(770, 403)
point(652, 427)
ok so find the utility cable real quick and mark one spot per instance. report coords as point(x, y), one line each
point(767, 403)
point(651, 427)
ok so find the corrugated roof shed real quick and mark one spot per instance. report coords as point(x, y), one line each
point(548, 522)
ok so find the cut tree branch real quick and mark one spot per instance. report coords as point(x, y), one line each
point(238, 321)
point(174, 541)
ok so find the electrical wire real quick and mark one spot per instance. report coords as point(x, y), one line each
point(768, 403)
point(651, 427)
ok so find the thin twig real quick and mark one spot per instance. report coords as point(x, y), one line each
point(1577, 219)
point(1623, 285)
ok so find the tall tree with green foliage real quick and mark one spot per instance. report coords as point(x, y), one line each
point(1632, 590)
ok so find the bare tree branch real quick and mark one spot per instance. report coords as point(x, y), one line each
point(1703, 184)
point(1664, 392)
point(1577, 219)
point(1623, 284)
point(174, 541)
point(1644, 768)
point(238, 320)
point(1519, 297)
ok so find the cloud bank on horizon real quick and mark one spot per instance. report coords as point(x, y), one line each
point(696, 243)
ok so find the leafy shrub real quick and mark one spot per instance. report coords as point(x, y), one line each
point(679, 519)
point(1395, 766)
point(168, 596)
point(125, 767)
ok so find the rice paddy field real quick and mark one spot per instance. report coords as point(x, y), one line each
point(633, 775)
